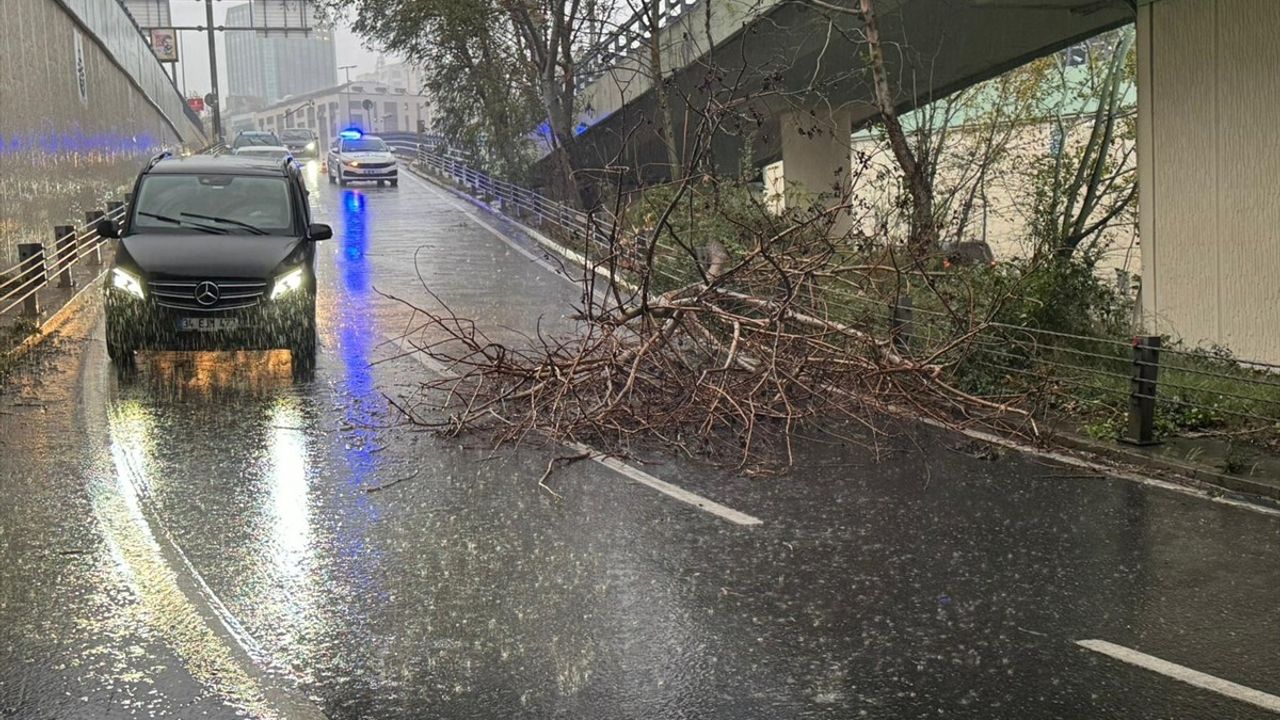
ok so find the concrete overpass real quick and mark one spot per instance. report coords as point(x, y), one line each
point(1208, 152)
point(795, 59)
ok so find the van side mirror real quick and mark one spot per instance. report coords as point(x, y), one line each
point(319, 231)
point(107, 228)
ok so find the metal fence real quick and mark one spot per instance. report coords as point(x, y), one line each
point(1111, 379)
point(518, 200)
point(41, 266)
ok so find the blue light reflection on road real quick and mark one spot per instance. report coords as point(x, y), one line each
point(356, 339)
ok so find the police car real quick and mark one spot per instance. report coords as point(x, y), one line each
point(356, 157)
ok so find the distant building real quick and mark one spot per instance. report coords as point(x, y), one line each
point(276, 65)
point(397, 75)
point(374, 107)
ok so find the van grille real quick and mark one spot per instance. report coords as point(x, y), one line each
point(232, 294)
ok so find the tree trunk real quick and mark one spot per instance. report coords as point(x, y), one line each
point(666, 129)
point(560, 123)
point(924, 230)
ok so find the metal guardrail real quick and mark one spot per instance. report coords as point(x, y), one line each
point(519, 200)
point(38, 267)
point(1115, 375)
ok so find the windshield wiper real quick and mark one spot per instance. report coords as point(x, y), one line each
point(184, 223)
point(251, 228)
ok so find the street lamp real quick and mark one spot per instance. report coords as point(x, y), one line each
point(346, 105)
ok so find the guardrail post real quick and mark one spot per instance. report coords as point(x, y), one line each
point(90, 218)
point(900, 324)
point(1142, 391)
point(64, 244)
point(113, 207)
point(27, 251)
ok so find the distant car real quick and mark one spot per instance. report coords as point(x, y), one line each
point(215, 253)
point(355, 156)
point(275, 153)
point(302, 142)
point(254, 137)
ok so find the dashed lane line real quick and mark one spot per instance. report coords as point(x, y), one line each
point(1181, 673)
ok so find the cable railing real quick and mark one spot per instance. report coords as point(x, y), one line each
point(1119, 377)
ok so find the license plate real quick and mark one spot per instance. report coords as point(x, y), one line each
point(208, 324)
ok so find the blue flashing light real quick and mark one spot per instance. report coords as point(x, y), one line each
point(351, 134)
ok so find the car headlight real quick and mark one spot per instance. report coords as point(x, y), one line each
point(311, 145)
point(127, 281)
point(287, 283)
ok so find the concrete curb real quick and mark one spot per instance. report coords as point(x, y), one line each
point(1201, 475)
point(1098, 456)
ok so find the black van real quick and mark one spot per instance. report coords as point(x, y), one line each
point(216, 253)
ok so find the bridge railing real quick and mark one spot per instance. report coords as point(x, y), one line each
point(520, 201)
point(629, 36)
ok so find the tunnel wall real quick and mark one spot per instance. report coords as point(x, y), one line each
point(66, 146)
point(1209, 169)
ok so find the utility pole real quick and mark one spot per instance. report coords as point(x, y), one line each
point(346, 87)
point(213, 72)
point(303, 26)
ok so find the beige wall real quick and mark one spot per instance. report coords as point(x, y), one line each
point(1209, 167)
point(1002, 217)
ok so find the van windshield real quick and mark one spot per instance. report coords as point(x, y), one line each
point(222, 204)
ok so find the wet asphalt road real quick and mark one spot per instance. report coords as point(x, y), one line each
point(206, 541)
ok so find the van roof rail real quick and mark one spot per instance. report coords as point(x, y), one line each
point(158, 157)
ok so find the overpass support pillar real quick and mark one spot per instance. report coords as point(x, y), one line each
point(816, 159)
point(1208, 160)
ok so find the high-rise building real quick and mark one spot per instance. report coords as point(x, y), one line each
point(274, 65)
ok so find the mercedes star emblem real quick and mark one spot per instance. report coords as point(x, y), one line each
point(207, 293)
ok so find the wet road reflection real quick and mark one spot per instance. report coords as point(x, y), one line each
point(141, 559)
point(392, 574)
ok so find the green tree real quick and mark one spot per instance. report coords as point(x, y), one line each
point(1087, 181)
point(489, 63)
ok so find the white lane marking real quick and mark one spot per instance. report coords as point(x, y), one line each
point(1266, 701)
point(1103, 470)
point(666, 488)
point(634, 473)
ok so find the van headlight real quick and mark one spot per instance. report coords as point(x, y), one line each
point(122, 279)
point(287, 283)
point(311, 145)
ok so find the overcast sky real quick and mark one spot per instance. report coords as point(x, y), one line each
point(195, 55)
